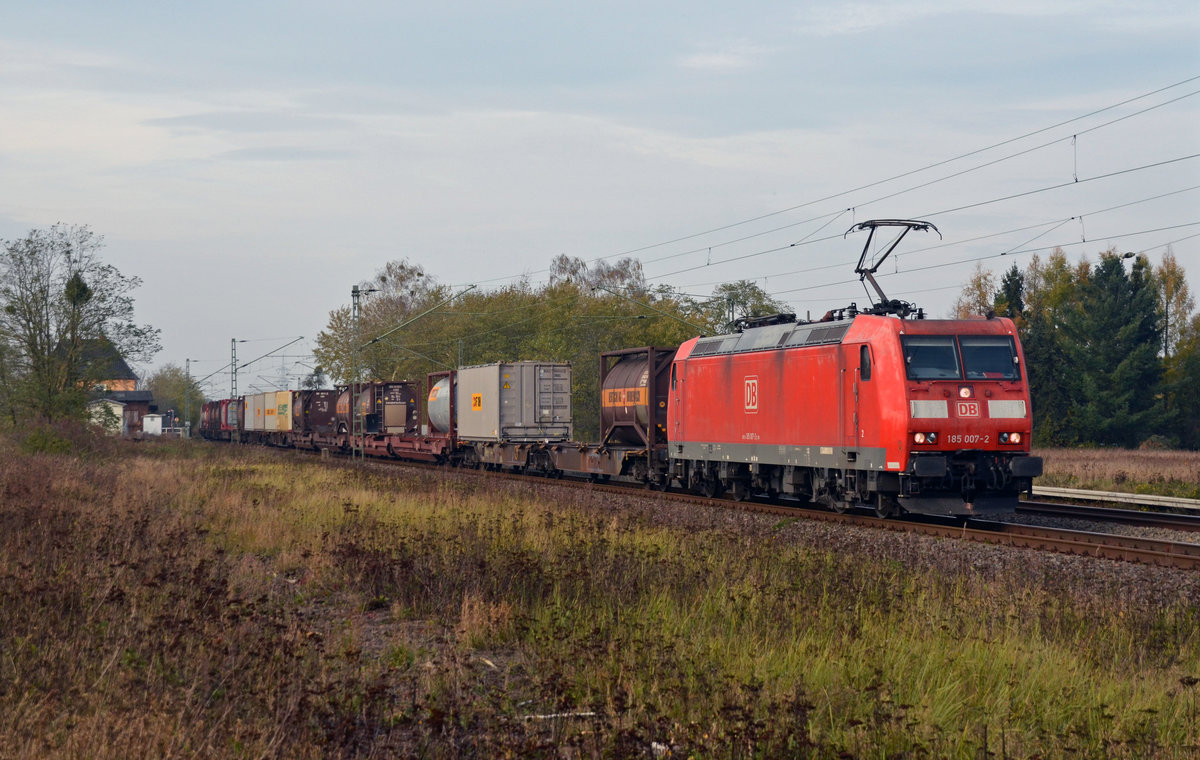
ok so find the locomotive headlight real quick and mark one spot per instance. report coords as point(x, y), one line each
point(918, 438)
point(924, 437)
point(965, 391)
point(1010, 438)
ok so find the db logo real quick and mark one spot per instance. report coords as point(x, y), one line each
point(752, 393)
point(968, 408)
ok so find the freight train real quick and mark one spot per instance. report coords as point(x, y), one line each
point(879, 408)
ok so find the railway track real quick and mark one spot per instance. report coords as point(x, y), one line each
point(1093, 544)
point(1083, 543)
point(1147, 551)
point(1182, 505)
point(1169, 520)
point(1101, 545)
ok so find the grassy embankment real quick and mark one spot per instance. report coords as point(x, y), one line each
point(1162, 472)
point(176, 600)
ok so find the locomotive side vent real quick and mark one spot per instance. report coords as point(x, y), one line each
point(831, 334)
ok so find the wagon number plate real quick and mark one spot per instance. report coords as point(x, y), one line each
point(968, 408)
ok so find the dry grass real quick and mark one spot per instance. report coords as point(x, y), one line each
point(202, 601)
point(1167, 473)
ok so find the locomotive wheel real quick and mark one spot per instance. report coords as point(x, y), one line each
point(885, 506)
point(709, 488)
point(832, 502)
point(740, 491)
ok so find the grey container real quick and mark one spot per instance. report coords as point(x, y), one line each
point(256, 407)
point(517, 401)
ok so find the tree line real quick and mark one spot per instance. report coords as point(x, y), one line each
point(1112, 348)
point(580, 312)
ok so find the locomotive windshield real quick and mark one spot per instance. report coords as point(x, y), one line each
point(989, 357)
point(944, 357)
point(931, 357)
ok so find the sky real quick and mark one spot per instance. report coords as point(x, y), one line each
point(251, 162)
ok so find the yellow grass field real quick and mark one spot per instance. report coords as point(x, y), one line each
point(1169, 473)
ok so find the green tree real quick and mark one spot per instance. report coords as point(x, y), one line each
point(397, 293)
point(1114, 338)
point(1183, 378)
point(731, 301)
point(1050, 298)
point(174, 390)
point(1009, 300)
point(977, 295)
point(580, 313)
point(57, 299)
point(1176, 301)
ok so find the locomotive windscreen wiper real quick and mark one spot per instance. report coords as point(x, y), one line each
point(864, 272)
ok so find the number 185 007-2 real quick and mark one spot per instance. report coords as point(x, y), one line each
point(968, 438)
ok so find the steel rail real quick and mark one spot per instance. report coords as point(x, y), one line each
point(1185, 556)
point(1169, 520)
point(1149, 500)
point(1145, 551)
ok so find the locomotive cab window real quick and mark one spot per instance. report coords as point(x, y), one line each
point(864, 362)
point(930, 357)
point(989, 357)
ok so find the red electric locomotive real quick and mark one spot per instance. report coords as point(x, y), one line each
point(932, 416)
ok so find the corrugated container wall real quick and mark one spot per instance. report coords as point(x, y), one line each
point(518, 401)
point(283, 411)
point(255, 412)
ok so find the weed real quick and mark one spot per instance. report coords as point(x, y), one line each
point(213, 602)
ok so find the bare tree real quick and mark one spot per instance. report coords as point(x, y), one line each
point(64, 314)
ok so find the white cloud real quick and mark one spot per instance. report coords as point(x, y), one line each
point(26, 59)
point(837, 18)
point(735, 57)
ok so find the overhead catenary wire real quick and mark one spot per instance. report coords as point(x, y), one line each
point(912, 172)
point(1027, 251)
point(979, 204)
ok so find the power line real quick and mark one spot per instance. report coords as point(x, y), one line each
point(935, 213)
point(942, 163)
point(947, 177)
point(909, 173)
point(1017, 253)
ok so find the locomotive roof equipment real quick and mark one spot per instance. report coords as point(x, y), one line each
point(885, 306)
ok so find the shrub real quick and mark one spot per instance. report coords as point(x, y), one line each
point(66, 437)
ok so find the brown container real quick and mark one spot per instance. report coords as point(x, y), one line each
point(386, 407)
point(634, 383)
point(315, 412)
